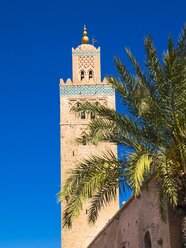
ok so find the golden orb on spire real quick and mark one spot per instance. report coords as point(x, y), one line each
point(85, 38)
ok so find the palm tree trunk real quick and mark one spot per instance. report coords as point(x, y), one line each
point(183, 232)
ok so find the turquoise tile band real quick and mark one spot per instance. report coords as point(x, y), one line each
point(81, 53)
point(76, 90)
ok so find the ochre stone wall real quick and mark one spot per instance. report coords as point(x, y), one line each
point(85, 59)
point(71, 154)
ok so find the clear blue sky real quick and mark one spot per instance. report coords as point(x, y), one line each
point(36, 38)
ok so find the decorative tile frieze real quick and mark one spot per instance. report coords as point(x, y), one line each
point(81, 53)
point(76, 90)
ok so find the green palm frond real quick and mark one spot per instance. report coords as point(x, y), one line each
point(127, 79)
point(100, 129)
point(168, 182)
point(125, 85)
point(105, 195)
point(85, 181)
point(182, 43)
point(135, 64)
point(152, 134)
point(139, 165)
point(113, 127)
point(153, 63)
point(162, 197)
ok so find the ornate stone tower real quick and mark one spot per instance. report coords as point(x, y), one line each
point(85, 86)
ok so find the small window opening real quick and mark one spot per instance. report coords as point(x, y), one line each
point(92, 115)
point(83, 115)
point(82, 75)
point(123, 245)
point(86, 211)
point(84, 140)
point(73, 153)
point(90, 74)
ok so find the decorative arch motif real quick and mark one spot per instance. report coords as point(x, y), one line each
point(85, 115)
point(147, 240)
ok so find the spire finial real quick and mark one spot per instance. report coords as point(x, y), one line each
point(85, 38)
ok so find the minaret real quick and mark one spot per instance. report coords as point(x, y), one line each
point(86, 85)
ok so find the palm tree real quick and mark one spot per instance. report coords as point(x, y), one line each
point(152, 134)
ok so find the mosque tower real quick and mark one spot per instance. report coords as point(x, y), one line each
point(86, 85)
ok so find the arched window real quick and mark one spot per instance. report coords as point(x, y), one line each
point(83, 116)
point(92, 115)
point(147, 240)
point(90, 74)
point(82, 75)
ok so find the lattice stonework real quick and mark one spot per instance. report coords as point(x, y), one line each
point(75, 90)
point(86, 62)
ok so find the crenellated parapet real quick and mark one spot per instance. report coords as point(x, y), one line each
point(76, 88)
point(83, 82)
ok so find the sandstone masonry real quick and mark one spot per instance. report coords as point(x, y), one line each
point(86, 85)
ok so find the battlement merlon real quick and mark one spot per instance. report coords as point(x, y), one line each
point(83, 82)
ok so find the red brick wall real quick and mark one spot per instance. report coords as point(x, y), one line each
point(175, 228)
point(128, 227)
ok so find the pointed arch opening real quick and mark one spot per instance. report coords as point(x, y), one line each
point(82, 75)
point(83, 115)
point(90, 74)
point(92, 115)
point(147, 240)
